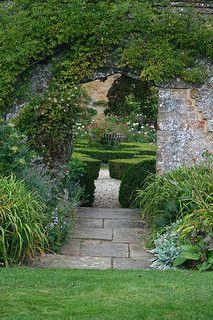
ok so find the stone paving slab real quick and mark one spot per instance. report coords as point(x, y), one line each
point(103, 239)
point(108, 214)
point(130, 264)
point(123, 223)
point(89, 223)
point(137, 251)
point(96, 248)
point(126, 234)
point(92, 233)
point(71, 247)
point(67, 262)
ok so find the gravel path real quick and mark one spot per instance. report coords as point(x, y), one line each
point(107, 191)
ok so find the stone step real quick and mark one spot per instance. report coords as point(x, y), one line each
point(74, 262)
point(88, 262)
point(117, 213)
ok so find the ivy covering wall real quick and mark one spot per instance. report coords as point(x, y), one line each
point(132, 35)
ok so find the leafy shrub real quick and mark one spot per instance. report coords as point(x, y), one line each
point(159, 43)
point(186, 243)
point(48, 122)
point(195, 232)
point(14, 150)
point(135, 178)
point(129, 96)
point(60, 191)
point(88, 179)
point(166, 249)
point(105, 155)
point(172, 195)
point(22, 235)
point(118, 167)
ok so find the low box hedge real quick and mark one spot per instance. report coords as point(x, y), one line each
point(105, 155)
point(134, 179)
point(118, 167)
point(141, 148)
point(88, 181)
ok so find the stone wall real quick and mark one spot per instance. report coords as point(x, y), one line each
point(185, 125)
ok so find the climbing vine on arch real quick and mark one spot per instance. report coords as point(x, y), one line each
point(128, 35)
point(157, 44)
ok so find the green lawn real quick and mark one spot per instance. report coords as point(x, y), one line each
point(27, 294)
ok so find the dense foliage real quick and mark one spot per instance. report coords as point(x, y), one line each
point(48, 122)
point(22, 234)
point(134, 179)
point(185, 198)
point(130, 35)
point(118, 167)
point(14, 151)
point(128, 96)
point(176, 194)
point(87, 181)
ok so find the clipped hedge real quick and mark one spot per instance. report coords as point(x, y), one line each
point(118, 167)
point(134, 179)
point(88, 181)
point(105, 155)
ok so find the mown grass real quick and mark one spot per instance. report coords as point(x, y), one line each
point(32, 294)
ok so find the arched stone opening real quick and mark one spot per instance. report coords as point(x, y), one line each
point(185, 116)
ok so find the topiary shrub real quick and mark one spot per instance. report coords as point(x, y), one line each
point(88, 179)
point(105, 155)
point(22, 235)
point(134, 179)
point(118, 167)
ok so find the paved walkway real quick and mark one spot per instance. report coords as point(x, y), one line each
point(103, 239)
point(107, 190)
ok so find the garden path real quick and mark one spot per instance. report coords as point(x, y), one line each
point(107, 190)
point(104, 238)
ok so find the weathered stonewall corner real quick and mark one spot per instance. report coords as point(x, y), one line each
point(185, 125)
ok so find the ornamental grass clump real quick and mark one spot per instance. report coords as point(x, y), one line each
point(177, 193)
point(22, 235)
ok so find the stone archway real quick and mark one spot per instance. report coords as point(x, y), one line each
point(185, 116)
